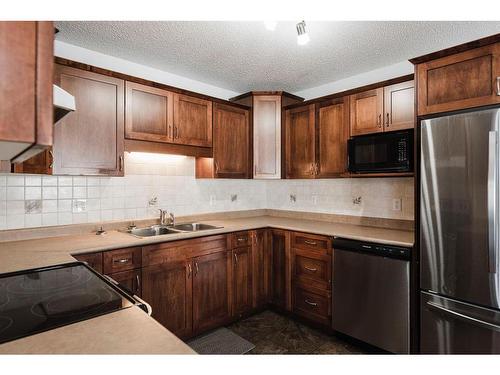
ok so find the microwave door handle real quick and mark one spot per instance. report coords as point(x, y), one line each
point(492, 201)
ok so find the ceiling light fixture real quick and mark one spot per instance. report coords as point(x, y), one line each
point(302, 35)
point(270, 25)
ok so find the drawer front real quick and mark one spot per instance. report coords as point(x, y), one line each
point(122, 260)
point(310, 268)
point(241, 239)
point(311, 305)
point(311, 241)
point(94, 260)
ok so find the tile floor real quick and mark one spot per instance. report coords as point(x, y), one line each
point(272, 333)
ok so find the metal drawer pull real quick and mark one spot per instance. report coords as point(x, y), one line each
point(190, 270)
point(464, 317)
point(310, 242)
point(124, 260)
point(241, 239)
point(196, 268)
point(138, 282)
point(310, 303)
point(498, 86)
point(310, 269)
point(235, 258)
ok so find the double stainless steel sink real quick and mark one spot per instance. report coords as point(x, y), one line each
point(160, 230)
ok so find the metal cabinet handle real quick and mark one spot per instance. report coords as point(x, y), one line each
point(314, 304)
point(498, 86)
point(387, 119)
point(310, 242)
point(176, 132)
point(51, 154)
point(170, 132)
point(196, 268)
point(190, 270)
point(121, 261)
point(310, 269)
point(120, 163)
point(461, 316)
point(138, 280)
point(492, 201)
point(379, 120)
point(216, 166)
point(236, 258)
point(311, 169)
point(241, 239)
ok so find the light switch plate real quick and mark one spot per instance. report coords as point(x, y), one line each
point(396, 204)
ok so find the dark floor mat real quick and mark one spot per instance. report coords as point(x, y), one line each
point(220, 341)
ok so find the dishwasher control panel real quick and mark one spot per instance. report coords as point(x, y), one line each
point(373, 248)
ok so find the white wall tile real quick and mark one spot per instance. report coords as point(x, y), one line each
point(15, 193)
point(33, 192)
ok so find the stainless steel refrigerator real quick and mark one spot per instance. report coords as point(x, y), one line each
point(459, 233)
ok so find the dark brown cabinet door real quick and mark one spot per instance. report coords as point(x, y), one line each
point(399, 106)
point(130, 280)
point(242, 280)
point(211, 290)
point(463, 80)
point(168, 289)
point(149, 113)
point(262, 268)
point(300, 142)
point(94, 260)
point(231, 144)
point(192, 121)
point(332, 134)
point(26, 66)
point(89, 141)
point(366, 112)
point(281, 281)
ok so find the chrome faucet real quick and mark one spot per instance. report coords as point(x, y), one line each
point(166, 218)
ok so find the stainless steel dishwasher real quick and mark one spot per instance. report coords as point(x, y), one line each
point(371, 293)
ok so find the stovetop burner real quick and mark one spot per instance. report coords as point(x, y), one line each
point(37, 300)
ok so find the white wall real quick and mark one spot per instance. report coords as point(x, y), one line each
point(373, 76)
point(86, 56)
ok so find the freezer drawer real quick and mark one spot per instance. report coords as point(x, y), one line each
point(453, 327)
point(371, 299)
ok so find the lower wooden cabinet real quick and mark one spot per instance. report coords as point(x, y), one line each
point(242, 280)
point(313, 304)
point(168, 289)
point(94, 260)
point(262, 268)
point(281, 281)
point(211, 287)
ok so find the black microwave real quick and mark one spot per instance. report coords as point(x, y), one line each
point(381, 152)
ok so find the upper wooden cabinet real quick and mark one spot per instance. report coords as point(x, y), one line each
point(332, 132)
point(383, 109)
point(26, 68)
point(366, 112)
point(192, 121)
point(300, 145)
point(231, 145)
point(462, 80)
point(149, 113)
point(399, 106)
point(89, 141)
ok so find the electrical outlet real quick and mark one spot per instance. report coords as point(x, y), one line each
point(396, 204)
point(212, 200)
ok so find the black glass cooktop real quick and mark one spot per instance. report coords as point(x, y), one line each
point(37, 300)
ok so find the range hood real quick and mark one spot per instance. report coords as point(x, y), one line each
point(64, 103)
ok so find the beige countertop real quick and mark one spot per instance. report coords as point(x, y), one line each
point(131, 330)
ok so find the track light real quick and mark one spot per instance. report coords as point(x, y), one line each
point(302, 36)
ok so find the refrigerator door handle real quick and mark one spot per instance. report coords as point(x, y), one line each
point(470, 319)
point(492, 201)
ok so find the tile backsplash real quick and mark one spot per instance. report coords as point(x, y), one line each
point(168, 181)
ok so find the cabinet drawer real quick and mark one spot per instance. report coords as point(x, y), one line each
point(94, 260)
point(311, 241)
point(241, 239)
point(122, 260)
point(313, 267)
point(312, 305)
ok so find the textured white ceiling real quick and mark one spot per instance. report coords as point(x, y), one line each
point(242, 56)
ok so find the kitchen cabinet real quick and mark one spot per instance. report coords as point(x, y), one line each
point(26, 73)
point(332, 132)
point(211, 290)
point(192, 121)
point(262, 268)
point(122, 260)
point(281, 278)
point(300, 145)
point(94, 260)
point(462, 80)
point(129, 280)
point(367, 110)
point(167, 287)
point(149, 113)
point(231, 145)
point(399, 106)
point(242, 273)
point(89, 141)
